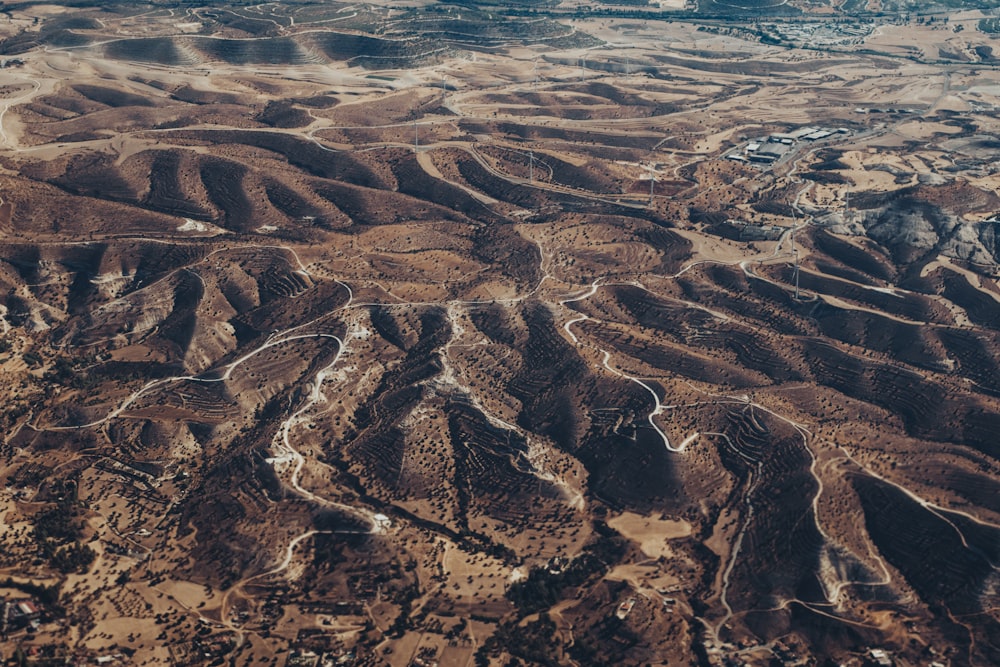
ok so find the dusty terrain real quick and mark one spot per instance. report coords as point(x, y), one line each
point(415, 335)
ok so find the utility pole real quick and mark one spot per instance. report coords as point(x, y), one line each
point(796, 274)
point(795, 221)
point(652, 184)
point(416, 136)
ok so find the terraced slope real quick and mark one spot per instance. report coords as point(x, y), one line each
point(348, 362)
point(492, 420)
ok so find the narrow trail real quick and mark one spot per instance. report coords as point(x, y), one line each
point(282, 443)
point(286, 452)
point(7, 104)
point(934, 509)
point(237, 588)
point(154, 384)
point(836, 588)
point(291, 463)
point(536, 453)
point(657, 406)
point(274, 339)
point(606, 361)
point(734, 554)
point(804, 433)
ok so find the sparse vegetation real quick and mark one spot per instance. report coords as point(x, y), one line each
point(358, 334)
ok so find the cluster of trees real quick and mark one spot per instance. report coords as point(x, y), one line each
point(543, 588)
point(48, 654)
point(990, 26)
point(405, 601)
point(74, 557)
point(64, 372)
point(47, 595)
point(57, 532)
point(532, 642)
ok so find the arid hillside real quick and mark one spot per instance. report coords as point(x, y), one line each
point(374, 335)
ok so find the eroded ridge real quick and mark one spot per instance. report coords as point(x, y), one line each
point(376, 334)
